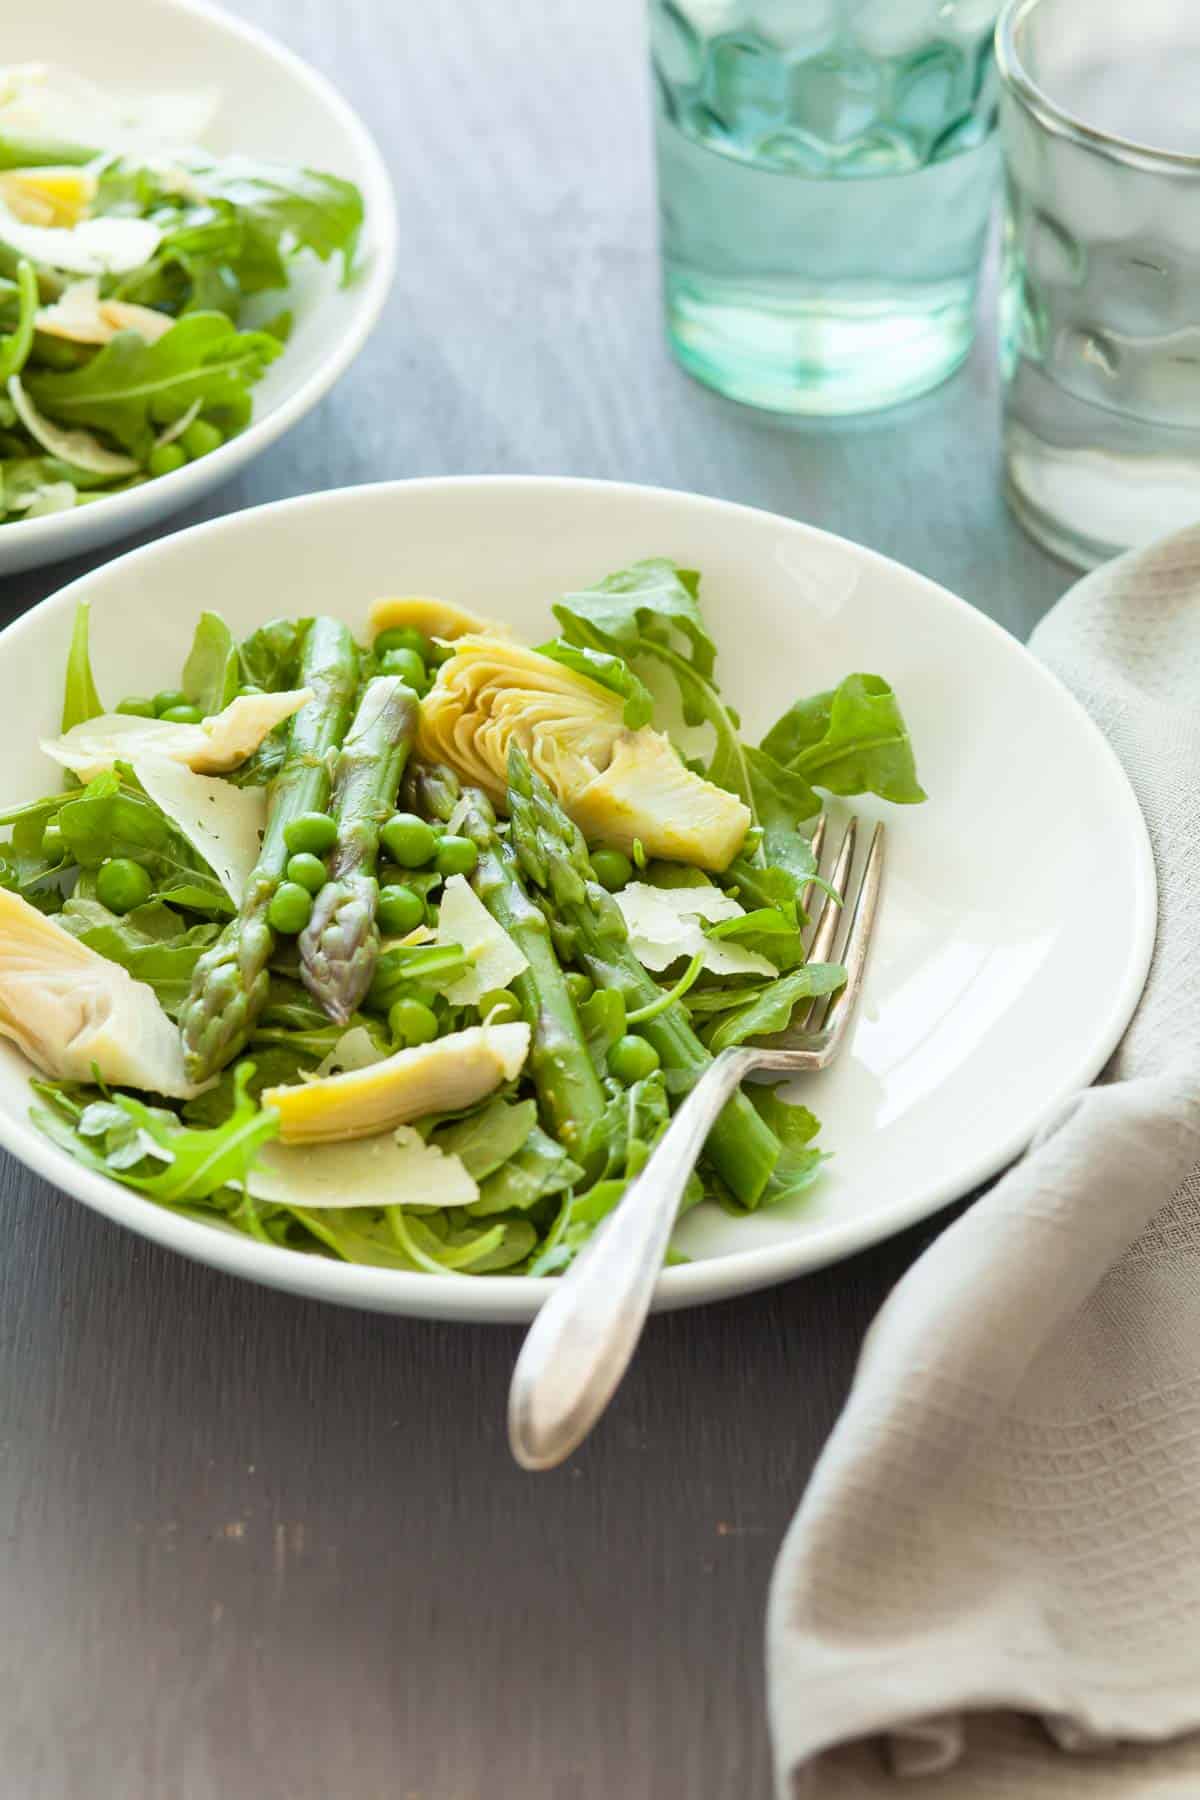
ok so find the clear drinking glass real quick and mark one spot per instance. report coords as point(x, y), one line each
point(826, 171)
point(1101, 128)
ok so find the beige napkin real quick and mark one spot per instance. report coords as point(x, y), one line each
point(992, 1587)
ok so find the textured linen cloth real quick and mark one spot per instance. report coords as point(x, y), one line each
point(992, 1587)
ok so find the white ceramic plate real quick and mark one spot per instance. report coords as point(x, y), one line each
point(272, 106)
point(1019, 911)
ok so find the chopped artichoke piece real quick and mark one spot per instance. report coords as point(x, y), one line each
point(618, 785)
point(213, 747)
point(74, 1013)
point(436, 618)
point(647, 793)
point(449, 1073)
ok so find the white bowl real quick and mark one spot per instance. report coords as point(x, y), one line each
point(1019, 910)
point(273, 106)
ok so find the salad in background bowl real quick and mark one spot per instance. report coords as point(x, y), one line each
point(175, 289)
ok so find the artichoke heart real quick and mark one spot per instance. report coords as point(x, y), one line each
point(74, 1013)
point(443, 1076)
point(436, 618)
point(213, 747)
point(620, 786)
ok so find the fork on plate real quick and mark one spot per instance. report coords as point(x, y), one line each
point(583, 1339)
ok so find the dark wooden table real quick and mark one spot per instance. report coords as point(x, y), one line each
point(255, 1546)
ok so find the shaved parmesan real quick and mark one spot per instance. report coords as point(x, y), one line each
point(82, 317)
point(82, 449)
point(222, 822)
point(104, 246)
point(396, 1169)
point(667, 924)
point(211, 748)
point(495, 959)
point(355, 1049)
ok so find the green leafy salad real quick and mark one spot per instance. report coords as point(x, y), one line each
point(141, 286)
point(403, 950)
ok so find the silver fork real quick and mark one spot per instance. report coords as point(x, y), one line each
point(584, 1337)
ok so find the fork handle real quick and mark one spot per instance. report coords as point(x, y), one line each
point(581, 1342)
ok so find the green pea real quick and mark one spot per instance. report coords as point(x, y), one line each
point(579, 986)
point(164, 459)
point(632, 1059)
point(182, 715)
point(136, 707)
point(201, 437)
point(499, 1007)
point(54, 844)
point(409, 841)
point(407, 666)
point(455, 856)
point(307, 871)
point(400, 910)
point(290, 908)
point(249, 688)
point(405, 637)
point(122, 884)
point(612, 868)
point(412, 1022)
point(314, 832)
point(168, 698)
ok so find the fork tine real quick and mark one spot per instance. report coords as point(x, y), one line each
point(827, 923)
point(804, 1019)
point(858, 942)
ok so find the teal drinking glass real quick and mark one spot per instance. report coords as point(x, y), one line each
point(826, 170)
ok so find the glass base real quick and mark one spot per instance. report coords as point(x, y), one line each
point(1088, 505)
point(820, 355)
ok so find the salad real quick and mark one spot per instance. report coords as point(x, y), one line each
point(140, 285)
point(403, 951)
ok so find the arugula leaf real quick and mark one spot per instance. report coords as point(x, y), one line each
point(80, 699)
point(180, 1162)
point(772, 1009)
point(112, 817)
point(280, 208)
point(780, 799)
point(270, 656)
point(200, 358)
point(152, 942)
point(211, 674)
point(793, 1124)
point(652, 601)
point(488, 1137)
point(851, 740)
point(541, 1167)
point(608, 671)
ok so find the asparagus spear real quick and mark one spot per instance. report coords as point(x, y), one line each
point(571, 1098)
point(340, 945)
point(229, 984)
point(553, 855)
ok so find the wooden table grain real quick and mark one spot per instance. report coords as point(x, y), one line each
point(256, 1546)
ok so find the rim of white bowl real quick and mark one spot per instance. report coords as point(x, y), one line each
point(515, 1298)
point(68, 533)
